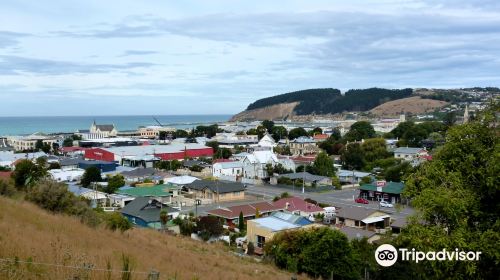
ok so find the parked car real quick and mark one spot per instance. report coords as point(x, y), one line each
point(361, 200)
point(386, 204)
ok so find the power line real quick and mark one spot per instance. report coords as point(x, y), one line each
point(74, 267)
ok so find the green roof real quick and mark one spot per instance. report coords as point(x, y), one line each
point(158, 190)
point(390, 187)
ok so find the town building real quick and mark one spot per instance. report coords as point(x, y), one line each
point(66, 175)
point(231, 214)
point(410, 154)
point(98, 131)
point(381, 190)
point(363, 218)
point(261, 230)
point(95, 197)
point(145, 212)
point(28, 143)
point(229, 171)
point(254, 164)
point(308, 178)
point(146, 155)
point(216, 191)
point(153, 132)
point(298, 206)
point(303, 146)
point(351, 176)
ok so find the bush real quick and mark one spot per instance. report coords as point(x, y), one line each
point(196, 168)
point(6, 188)
point(115, 221)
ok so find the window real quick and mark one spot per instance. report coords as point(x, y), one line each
point(261, 240)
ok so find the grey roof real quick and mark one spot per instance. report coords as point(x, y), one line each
point(356, 233)
point(308, 177)
point(105, 127)
point(303, 139)
point(222, 187)
point(355, 213)
point(69, 161)
point(407, 150)
point(139, 172)
point(141, 208)
point(400, 223)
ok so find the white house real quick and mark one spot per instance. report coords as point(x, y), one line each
point(254, 165)
point(409, 154)
point(231, 169)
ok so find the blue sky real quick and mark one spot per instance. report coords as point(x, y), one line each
point(215, 57)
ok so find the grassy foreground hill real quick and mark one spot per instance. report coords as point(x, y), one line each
point(35, 239)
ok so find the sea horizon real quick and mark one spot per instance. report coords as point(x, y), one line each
point(25, 125)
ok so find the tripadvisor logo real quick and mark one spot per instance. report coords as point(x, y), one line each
point(387, 255)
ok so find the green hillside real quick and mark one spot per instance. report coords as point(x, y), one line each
point(331, 101)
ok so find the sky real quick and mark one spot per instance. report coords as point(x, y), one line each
point(127, 57)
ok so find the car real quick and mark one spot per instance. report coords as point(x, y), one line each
point(361, 200)
point(386, 204)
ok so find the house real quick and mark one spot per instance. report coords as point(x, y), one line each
point(69, 163)
point(261, 230)
point(299, 206)
point(28, 143)
point(119, 200)
point(98, 131)
point(303, 146)
point(158, 191)
point(216, 191)
point(357, 233)
point(254, 164)
point(351, 176)
point(410, 154)
point(96, 197)
point(153, 132)
point(363, 218)
point(145, 212)
point(382, 190)
point(309, 179)
point(231, 214)
point(139, 174)
point(230, 171)
point(9, 158)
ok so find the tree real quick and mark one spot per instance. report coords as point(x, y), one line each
point(456, 197)
point(279, 132)
point(397, 172)
point(68, 142)
point(163, 218)
point(319, 252)
point(360, 130)
point(268, 125)
point(336, 135)
point(209, 226)
point(241, 222)
point(38, 145)
point(316, 130)
point(353, 156)
point(181, 133)
point(225, 153)
point(450, 119)
point(27, 173)
point(196, 168)
point(91, 174)
point(116, 221)
point(297, 132)
point(374, 149)
point(214, 145)
point(114, 183)
point(323, 165)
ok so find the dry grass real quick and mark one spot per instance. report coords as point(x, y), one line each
point(414, 105)
point(28, 233)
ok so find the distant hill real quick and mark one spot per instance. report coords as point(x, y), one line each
point(30, 234)
point(320, 102)
point(413, 105)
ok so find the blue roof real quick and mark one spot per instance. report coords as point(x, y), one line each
point(125, 188)
point(281, 221)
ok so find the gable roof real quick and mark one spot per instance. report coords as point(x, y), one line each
point(105, 127)
point(139, 172)
point(282, 221)
point(141, 208)
point(297, 204)
point(390, 187)
point(248, 210)
point(356, 213)
point(262, 157)
point(181, 180)
point(216, 186)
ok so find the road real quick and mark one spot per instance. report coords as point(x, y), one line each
point(338, 198)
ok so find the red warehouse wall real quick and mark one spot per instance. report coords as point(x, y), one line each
point(99, 154)
point(206, 152)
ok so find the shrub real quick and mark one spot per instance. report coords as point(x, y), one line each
point(115, 221)
point(6, 188)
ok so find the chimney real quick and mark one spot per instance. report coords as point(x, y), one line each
point(287, 205)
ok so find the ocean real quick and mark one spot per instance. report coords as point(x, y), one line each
point(29, 125)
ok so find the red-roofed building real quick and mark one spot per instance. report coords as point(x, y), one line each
point(72, 150)
point(320, 137)
point(222, 160)
point(298, 206)
point(231, 214)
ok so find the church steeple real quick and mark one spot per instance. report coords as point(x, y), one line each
point(466, 114)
